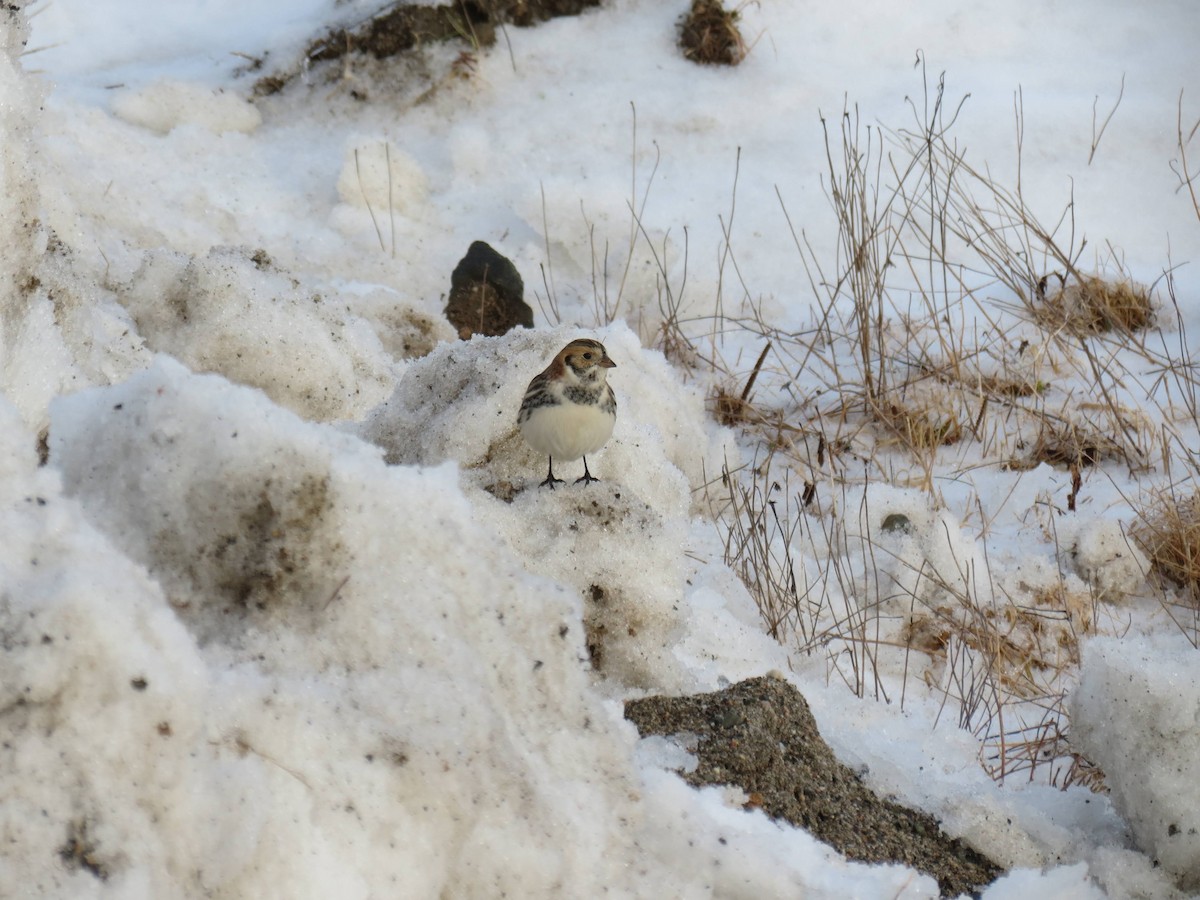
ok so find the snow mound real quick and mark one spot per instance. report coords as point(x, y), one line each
point(923, 552)
point(168, 104)
point(1108, 560)
point(1136, 713)
point(103, 696)
point(411, 730)
point(232, 312)
point(233, 518)
point(425, 727)
point(381, 177)
point(461, 402)
point(885, 554)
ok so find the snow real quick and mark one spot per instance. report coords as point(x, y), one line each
point(1136, 702)
point(166, 105)
point(232, 312)
point(283, 614)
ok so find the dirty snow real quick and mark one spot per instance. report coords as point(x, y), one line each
point(283, 612)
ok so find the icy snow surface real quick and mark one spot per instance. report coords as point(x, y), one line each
point(283, 613)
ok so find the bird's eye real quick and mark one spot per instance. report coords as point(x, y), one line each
point(587, 356)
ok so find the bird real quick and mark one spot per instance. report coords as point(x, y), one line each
point(569, 408)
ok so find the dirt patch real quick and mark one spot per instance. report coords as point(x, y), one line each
point(262, 562)
point(761, 736)
point(709, 34)
point(404, 331)
point(240, 551)
point(404, 27)
point(80, 853)
point(608, 618)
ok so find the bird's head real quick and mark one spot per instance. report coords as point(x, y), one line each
point(585, 360)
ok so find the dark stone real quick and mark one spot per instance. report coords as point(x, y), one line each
point(486, 294)
point(761, 736)
point(483, 263)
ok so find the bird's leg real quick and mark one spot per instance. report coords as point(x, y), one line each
point(550, 479)
point(588, 477)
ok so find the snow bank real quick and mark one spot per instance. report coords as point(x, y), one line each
point(357, 684)
point(1136, 713)
point(619, 543)
point(235, 313)
point(103, 697)
point(347, 684)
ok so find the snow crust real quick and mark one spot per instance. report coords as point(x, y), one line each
point(282, 612)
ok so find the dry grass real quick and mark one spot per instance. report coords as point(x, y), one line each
point(709, 34)
point(1068, 444)
point(1093, 305)
point(921, 427)
point(1168, 531)
point(937, 347)
point(732, 408)
point(1029, 638)
point(995, 662)
point(758, 548)
point(1049, 376)
point(1042, 749)
point(1009, 386)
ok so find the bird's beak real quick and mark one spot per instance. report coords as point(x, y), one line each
point(607, 363)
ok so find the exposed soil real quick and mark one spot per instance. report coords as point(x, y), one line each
point(709, 34)
point(79, 852)
point(761, 736)
point(404, 27)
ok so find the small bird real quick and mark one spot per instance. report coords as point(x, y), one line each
point(569, 409)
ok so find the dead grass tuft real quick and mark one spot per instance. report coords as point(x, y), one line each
point(730, 408)
point(1168, 531)
point(1011, 386)
point(733, 409)
point(1069, 444)
point(921, 427)
point(1043, 746)
point(1025, 642)
point(1092, 305)
point(709, 34)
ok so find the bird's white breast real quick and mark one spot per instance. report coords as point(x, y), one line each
point(568, 430)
